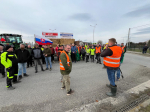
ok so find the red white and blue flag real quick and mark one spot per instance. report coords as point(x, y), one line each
point(42, 40)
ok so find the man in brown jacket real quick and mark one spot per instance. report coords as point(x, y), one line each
point(47, 53)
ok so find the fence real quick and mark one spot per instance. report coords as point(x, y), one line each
point(137, 49)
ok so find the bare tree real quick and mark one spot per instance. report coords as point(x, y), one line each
point(100, 42)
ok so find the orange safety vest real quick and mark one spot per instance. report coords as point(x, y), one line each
point(68, 61)
point(98, 50)
point(123, 48)
point(114, 60)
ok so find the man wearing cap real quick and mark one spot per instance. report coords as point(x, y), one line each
point(23, 56)
point(10, 61)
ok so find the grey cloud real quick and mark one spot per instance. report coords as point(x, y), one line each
point(81, 17)
point(141, 11)
point(143, 31)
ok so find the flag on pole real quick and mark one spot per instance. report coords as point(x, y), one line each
point(42, 40)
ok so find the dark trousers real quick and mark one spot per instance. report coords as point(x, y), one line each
point(2, 69)
point(92, 58)
point(29, 62)
point(52, 57)
point(43, 59)
point(83, 57)
point(73, 56)
point(87, 58)
point(12, 75)
point(37, 61)
point(98, 58)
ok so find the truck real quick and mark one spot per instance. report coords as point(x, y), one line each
point(11, 39)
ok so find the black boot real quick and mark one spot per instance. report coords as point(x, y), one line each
point(20, 77)
point(42, 69)
point(26, 75)
point(113, 91)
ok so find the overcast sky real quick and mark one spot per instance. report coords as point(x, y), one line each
point(113, 18)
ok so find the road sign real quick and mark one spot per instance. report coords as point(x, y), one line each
point(66, 35)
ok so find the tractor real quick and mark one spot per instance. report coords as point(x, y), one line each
point(11, 39)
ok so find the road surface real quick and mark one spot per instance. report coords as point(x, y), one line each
point(41, 92)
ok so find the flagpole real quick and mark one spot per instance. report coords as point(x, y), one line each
point(34, 38)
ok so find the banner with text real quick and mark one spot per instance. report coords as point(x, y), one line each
point(66, 35)
point(50, 34)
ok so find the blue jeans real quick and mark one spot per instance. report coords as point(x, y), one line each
point(118, 73)
point(20, 66)
point(111, 76)
point(48, 59)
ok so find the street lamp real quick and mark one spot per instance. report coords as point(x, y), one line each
point(93, 31)
point(52, 30)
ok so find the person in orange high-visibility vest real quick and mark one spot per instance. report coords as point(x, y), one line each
point(98, 52)
point(112, 58)
point(65, 68)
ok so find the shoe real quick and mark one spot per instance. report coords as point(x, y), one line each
point(118, 79)
point(27, 66)
point(109, 85)
point(42, 70)
point(100, 63)
point(11, 88)
point(113, 91)
point(70, 92)
point(63, 88)
point(36, 71)
point(3, 76)
point(50, 69)
point(20, 77)
point(16, 82)
point(26, 75)
point(46, 69)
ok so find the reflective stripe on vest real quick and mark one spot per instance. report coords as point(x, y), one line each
point(98, 50)
point(68, 61)
point(114, 60)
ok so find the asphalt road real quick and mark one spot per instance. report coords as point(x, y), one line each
point(41, 92)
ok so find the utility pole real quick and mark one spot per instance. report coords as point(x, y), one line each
point(93, 31)
point(128, 37)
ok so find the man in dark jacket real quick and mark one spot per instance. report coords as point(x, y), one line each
point(145, 49)
point(37, 54)
point(73, 53)
point(29, 62)
point(23, 56)
point(2, 68)
point(53, 52)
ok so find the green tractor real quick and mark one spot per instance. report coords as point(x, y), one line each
point(11, 39)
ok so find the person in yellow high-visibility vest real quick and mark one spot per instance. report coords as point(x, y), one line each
point(92, 52)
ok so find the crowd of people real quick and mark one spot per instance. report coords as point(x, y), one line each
point(16, 61)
